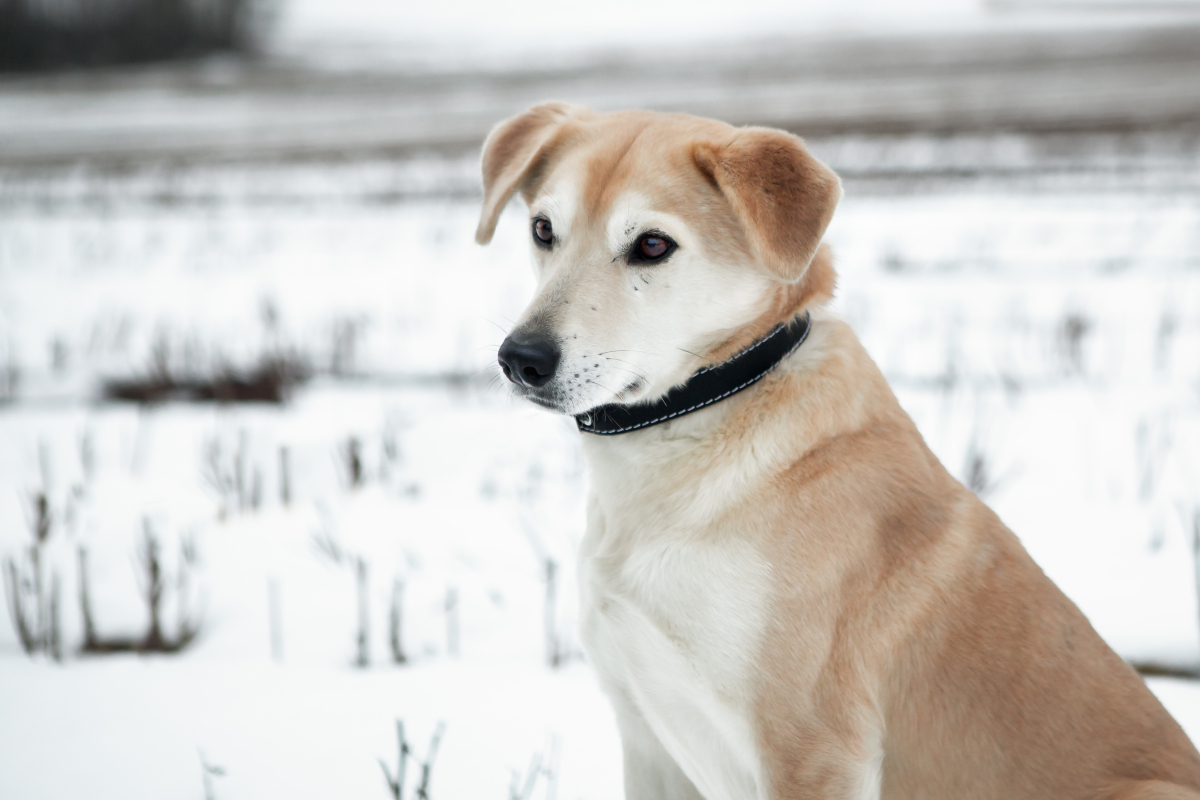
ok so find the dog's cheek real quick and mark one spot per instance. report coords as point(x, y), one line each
point(640, 281)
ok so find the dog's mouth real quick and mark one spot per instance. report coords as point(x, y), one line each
point(562, 405)
point(627, 394)
point(544, 397)
point(543, 402)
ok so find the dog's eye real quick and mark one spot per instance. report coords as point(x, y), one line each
point(543, 233)
point(651, 248)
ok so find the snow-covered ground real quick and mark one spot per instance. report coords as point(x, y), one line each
point(1045, 338)
point(1034, 300)
point(470, 488)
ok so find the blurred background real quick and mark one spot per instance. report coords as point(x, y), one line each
point(269, 525)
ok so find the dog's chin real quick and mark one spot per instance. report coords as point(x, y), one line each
point(633, 393)
point(551, 401)
point(542, 402)
point(546, 401)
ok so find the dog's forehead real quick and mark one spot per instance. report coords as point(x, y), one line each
point(632, 212)
point(614, 175)
point(559, 199)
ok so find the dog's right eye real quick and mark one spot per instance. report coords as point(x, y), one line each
point(652, 247)
point(543, 233)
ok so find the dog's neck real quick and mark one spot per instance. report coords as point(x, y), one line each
point(698, 463)
point(787, 301)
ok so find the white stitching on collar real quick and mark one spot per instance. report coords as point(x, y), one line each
point(712, 400)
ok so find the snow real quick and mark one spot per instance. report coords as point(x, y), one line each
point(474, 480)
point(1034, 301)
point(136, 727)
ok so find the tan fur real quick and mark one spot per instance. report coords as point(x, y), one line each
point(907, 645)
point(511, 157)
point(815, 288)
point(783, 196)
point(938, 631)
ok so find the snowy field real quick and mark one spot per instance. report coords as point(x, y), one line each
point(1043, 331)
point(397, 541)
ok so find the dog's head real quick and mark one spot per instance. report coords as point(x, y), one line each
point(661, 243)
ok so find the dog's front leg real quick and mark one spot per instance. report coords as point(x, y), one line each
point(650, 772)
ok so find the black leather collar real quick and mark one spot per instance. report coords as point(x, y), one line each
point(709, 385)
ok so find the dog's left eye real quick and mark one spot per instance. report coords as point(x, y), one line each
point(651, 248)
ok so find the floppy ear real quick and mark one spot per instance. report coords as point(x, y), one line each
point(509, 153)
point(782, 195)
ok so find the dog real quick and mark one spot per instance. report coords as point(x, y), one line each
point(784, 593)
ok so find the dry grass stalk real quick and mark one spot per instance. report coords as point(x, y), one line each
point(396, 622)
point(363, 658)
point(395, 781)
point(154, 585)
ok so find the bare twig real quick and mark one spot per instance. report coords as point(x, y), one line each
point(977, 469)
point(327, 545)
point(1152, 447)
point(189, 557)
point(239, 473)
point(396, 622)
point(14, 593)
point(236, 481)
point(344, 341)
point(551, 771)
point(1168, 327)
point(90, 640)
point(256, 490)
point(34, 614)
point(351, 453)
point(396, 782)
point(553, 642)
point(87, 455)
point(40, 525)
point(10, 375)
point(422, 791)
point(207, 773)
point(218, 479)
point(1153, 669)
point(389, 449)
point(1072, 331)
point(553, 648)
point(364, 621)
point(285, 476)
point(154, 585)
point(522, 788)
point(54, 631)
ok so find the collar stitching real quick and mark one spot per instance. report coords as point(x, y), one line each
point(808, 327)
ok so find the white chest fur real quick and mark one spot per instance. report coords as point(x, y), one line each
point(672, 617)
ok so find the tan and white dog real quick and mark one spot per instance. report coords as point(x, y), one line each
point(785, 594)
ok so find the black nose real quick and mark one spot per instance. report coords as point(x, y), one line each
point(529, 359)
